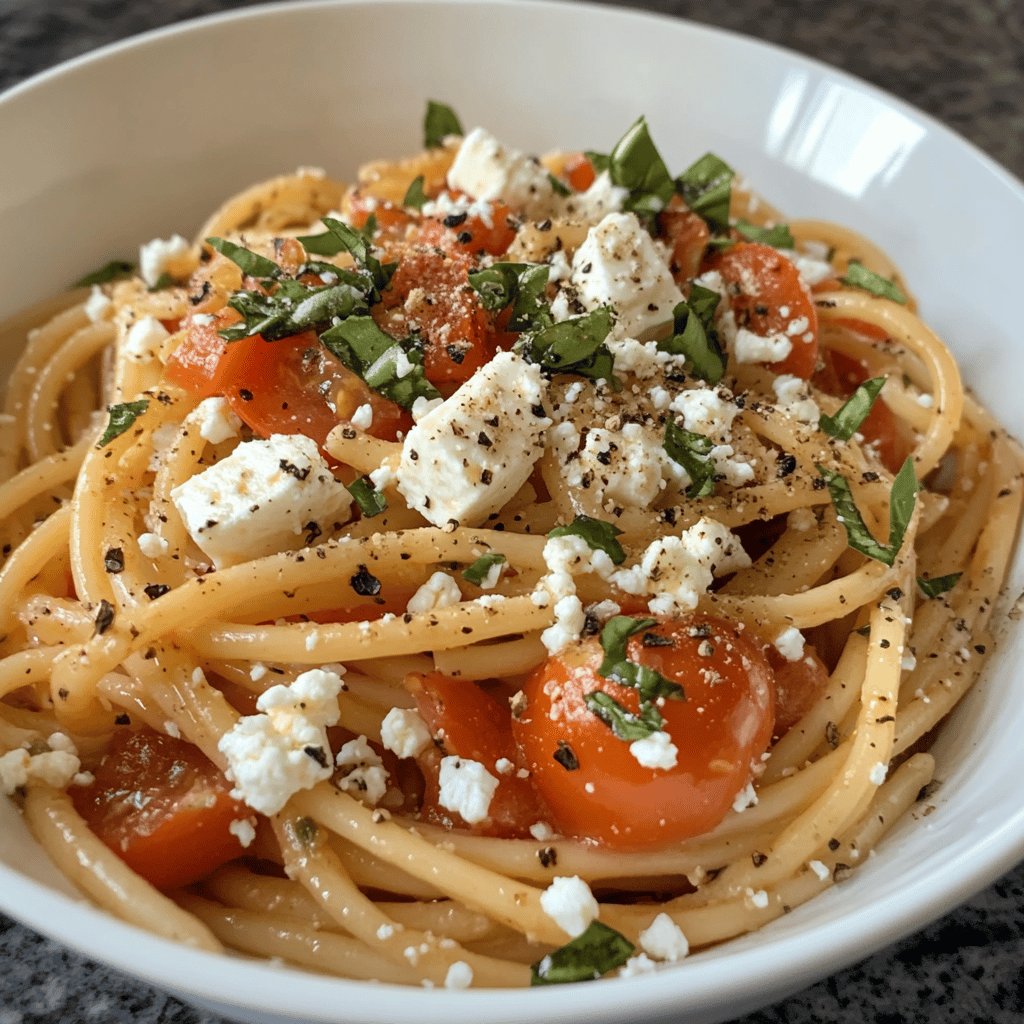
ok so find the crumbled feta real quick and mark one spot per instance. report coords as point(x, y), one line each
point(878, 773)
point(758, 899)
point(542, 831)
point(569, 902)
point(706, 412)
point(794, 399)
point(790, 643)
point(909, 661)
point(244, 830)
point(568, 625)
point(748, 347)
point(485, 168)
point(152, 545)
point(820, 869)
point(925, 401)
point(466, 458)
point(460, 975)
point(98, 306)
point(448, 205)
point(801, 519)
point(811, 269)
point(746, 797)
point(362, 418)
point(165, 256)
point(363, 772)
point(440, 591)
point(641, 359)
point(618, 265)
point(284, 748)
point(596, 202)
point(404, 732)
point(637, 965)
point(217, 422)
point(466, 788)
point(144, 339)
point(663, 939)
point(655, 751)
point(260, 499)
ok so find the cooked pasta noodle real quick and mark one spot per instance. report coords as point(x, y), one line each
point(483, 349)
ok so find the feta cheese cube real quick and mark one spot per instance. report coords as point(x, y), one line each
point(655, 751)
point(98, 306)
point(363, 772)
point(663, 939)
point(217, 422)
point(440, 591)
point(260, 499)
point(404, 732)
point(570, 904)
point(161, 256)
point(466, 788)
point(143, 340)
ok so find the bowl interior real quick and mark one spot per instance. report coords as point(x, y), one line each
point(145, 139)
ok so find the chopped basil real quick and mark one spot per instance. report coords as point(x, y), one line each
point(559, 186)
point(477, 572)
point(121, 418)
point(854, 411)
point(163, 281)
point(371, 502)
point(706, 188)
point(938, 585)
point(439, 122)
point(694, 336)
point(291, 309)
point(339, 237)
point(858, 276)
point(901, 508)
point(596, 951)
point(778, 236)
point(249, 262)
point(617, 666)
point(575, 346)
point(358, 342)
point(625, 724)
point(635, 164)
point(108, 272)
point(691, 451)
point(521, 285)
point(598, 534)
point(415, 197)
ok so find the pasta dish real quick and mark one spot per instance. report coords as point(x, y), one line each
point(496, 572)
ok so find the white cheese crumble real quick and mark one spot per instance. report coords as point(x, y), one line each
point(878, 773)
point(460, 975)
point(283, 749)
point(746, 797)
point(748, 347)
point(165, 256)
point(655, 751)
point(569, 902)
point(144, 339)
point(637, 965)
point(466, 458)
point(244, 830)
point(466, 788)
point(260, 499)
point(440, 591)
point(404, 732)
point(758, 899)
point(217, 423)
point(364, 774)
point(58, 767)
point(362, 418)
point(663, 939)
point(706, 412)
point(152, 545)
point(794, 398)
point(98, 306)
point(596, 202)
point(820, 869)
point(790, 644)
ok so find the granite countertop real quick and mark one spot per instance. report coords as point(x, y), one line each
point(960, 60)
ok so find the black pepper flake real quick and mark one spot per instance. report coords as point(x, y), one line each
point(364, 583)
point(895, 593)
point(834, 844)
point(312, 532)
point(757, 859)
point(786, 464)
point(656, 640)
point(818, 483)
point(841, 872)
point(884, 644)
point(832, 734)
point(548, 856)
point(566, 757)
point(292, 470)
point(464, 237)
point(486, 476)
point(122, 719)
point(483, 440)
point(113, 560)
point(456, 353)
point(869, 477)
point(538, 410)
point(62, 693)
point(155, 590)
point(245, 394)
point(318, 755)
point(884, 719)
point(104, 617)
point(453, 220)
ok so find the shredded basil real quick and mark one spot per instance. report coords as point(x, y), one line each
point(598, 534)
point(625, 725)
point(706, 188)
point(108, 272)
point(371, 502)
point(559, 186)
point(691, 451)
point(340, 237)
point(617, 666)
point(854, 411)
point(635, 164)
point(249, 262)
point(858, 276)
point(291, 309)
point(121, 418)
point(165, 280)
point(779, 236)
point(595, 952)
point(415, 197)
point(477, 572)
point(901, 508)
point(694, 336)
point(439, 122)
point(938, 585)
point(521, 285)
point(574, 346)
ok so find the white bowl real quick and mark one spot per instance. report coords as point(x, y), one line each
point(222, 102)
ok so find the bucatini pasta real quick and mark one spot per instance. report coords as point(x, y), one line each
point(495, 572)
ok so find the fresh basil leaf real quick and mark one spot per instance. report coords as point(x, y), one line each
point(778, 236)
point(249, 262)
point(858, 276)
point(521, 285)
point(415, 197)
point(599, 161)
point(108, 272)
point(595, 952)
point(358, 342)
point(122, 416)
point(439, 122)
point(165, 280)
point(624, 724)
point(559, 186)
point(478, 571)
point(340, 237)
point(598, 534)
point(574, 346)
point(854, 411)
point(706, 188)
point(291, 309)
point(635, 164)
point(937, 585)
point(901, 508)
point(617, 666)
point(371, 502)
point(694, 336)
point(691, 451)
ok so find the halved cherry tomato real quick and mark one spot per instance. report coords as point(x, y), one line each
point(798, 684)
point(688, 235)
point(723, 725)
point(162, 807)
point(392, 220)
point(476, 725)
point(579, 171)
point(204, 363)
point(767, 297)
point(462, 235)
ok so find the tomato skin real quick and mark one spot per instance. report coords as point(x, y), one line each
point(723, 725)
point(688, 235)
point(798, 684)
point(473, 724)
point(579, 172)
point(204, 362)
point(761, 282)
point(162, 807)
point(471, 236)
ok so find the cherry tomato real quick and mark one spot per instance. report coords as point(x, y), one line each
point(476, 725)
point(595, 786)
point(392, 221)
point(162, 807)
point(688, 235)
point(798, 684)
point(469, 236)
point(579, 171)
point(767, 296)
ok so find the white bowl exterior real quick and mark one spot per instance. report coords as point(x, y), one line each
point(93, 175)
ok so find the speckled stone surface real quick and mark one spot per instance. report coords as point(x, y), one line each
point(960, 60)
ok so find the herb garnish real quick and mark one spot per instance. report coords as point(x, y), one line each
point(249, 262)
point(623, 723)
point(901, 508)
point(291, 309)
point(937, 585)
point(694, 336)
point(692, 452)
point(598, 534)
point(706, 188)
point(339, 237)
point(108, 272)
point(477, 572)
point(575, 346)
point(617, 666)
point(521, 285)
point(635, 164)
point(596, 951)
point(854, 411)
point(779, 236)
point(415, 197)
point(122, 416)
point(858, 276)
point(371, 502)
point(439, 121)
